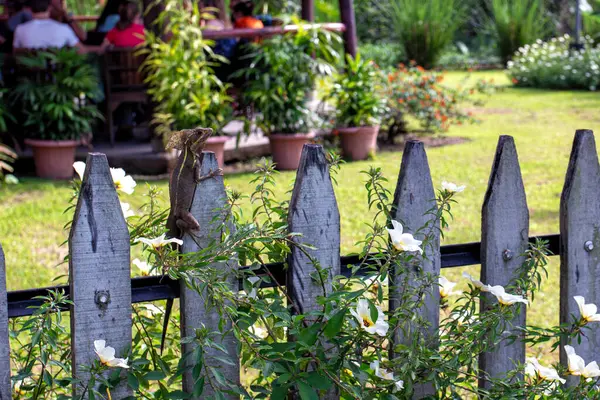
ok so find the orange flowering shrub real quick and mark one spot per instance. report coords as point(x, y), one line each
point(412, 90)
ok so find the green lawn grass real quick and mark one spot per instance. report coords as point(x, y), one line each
point(542, 122)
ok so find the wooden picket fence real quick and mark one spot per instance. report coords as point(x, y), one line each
point(99, 246)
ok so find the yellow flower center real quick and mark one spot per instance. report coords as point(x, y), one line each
point(367, 323)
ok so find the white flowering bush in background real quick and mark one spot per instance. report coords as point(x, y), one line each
point(347, 345)
point(553, 65)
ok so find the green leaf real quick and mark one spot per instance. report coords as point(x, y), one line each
point(199, 387)
point(334, 325)
point(318, 380)
point(132, 381)
point(307, 392)
point(154, 376)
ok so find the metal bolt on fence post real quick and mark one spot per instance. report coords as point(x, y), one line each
point(507, 255)
point(588, 246)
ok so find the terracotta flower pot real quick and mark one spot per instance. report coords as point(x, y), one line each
point(287, 149)
point(358, 142)
point(53, 158)
point(216, 144)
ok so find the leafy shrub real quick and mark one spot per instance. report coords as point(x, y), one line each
point(591, 25)
point(60, 108)
point(552, 65)
point(416, 92)
point(343, 343)
point(516, 23)
point(180, 76)
point(357, 94)
point(425, 28)
point(385, 55)
point(282, 72)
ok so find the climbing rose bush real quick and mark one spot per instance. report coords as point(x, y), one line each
point(553, 65)
point(353, 343)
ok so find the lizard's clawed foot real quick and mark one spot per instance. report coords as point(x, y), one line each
point(211, 174)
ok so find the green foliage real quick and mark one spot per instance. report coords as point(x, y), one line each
point(425, 28)
point(553, 65)
point(413, 91)
point(591, 25)
point(180, 74)
point(282, 73)
point(357, 94)
point(516, 23)
point(384, 55)
point(60, 108)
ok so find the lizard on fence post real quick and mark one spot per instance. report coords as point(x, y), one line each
point(184, 178)
point(182, 186)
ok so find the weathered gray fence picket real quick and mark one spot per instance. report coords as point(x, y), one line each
point(580, 239)
point(207, 208)
point(5, 393)
point(414, 204)
point(504, 239)
point(313, 213)
point(99, 271)
point(100, 256)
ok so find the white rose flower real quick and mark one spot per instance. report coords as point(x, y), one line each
point(534, 369)
point(127, 211)
point(403, 241)
point(79, 167)
point(588, 311)
point(123, 182)
point(446, 287)
point(107, 355)
point(143, 266)
point(577, 365)
point(386, 375)
point(159, 242)
point(478, 284)
point(363, 316)
point(504, 298)
point(452, 187)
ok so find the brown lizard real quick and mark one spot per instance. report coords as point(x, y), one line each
point(184, 178)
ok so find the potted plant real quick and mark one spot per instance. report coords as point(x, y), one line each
point(280, 78)
point(181, 78)
point(54, 98)
point(359, 106)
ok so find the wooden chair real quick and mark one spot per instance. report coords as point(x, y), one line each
point(123, 82)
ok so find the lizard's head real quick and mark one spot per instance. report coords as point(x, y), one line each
point(192, 139)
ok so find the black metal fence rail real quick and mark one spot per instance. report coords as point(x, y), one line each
point(152, 288)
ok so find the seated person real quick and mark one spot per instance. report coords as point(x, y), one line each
point(21, 15)
point(43, 32)
point(242, 16)
point(127, 32)
point(58, 12)
point(109, 17)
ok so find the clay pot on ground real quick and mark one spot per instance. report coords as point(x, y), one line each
point(216, 144)
point(53, 158)
point(358, 143)
point(286, 149)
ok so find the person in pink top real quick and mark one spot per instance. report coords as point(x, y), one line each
point(127, 32)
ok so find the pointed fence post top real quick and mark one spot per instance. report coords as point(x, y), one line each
point(505, 179)
point(97, 187)
point(313, 159)
point(583, 170)
point(313, 185)
point(414, 194)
